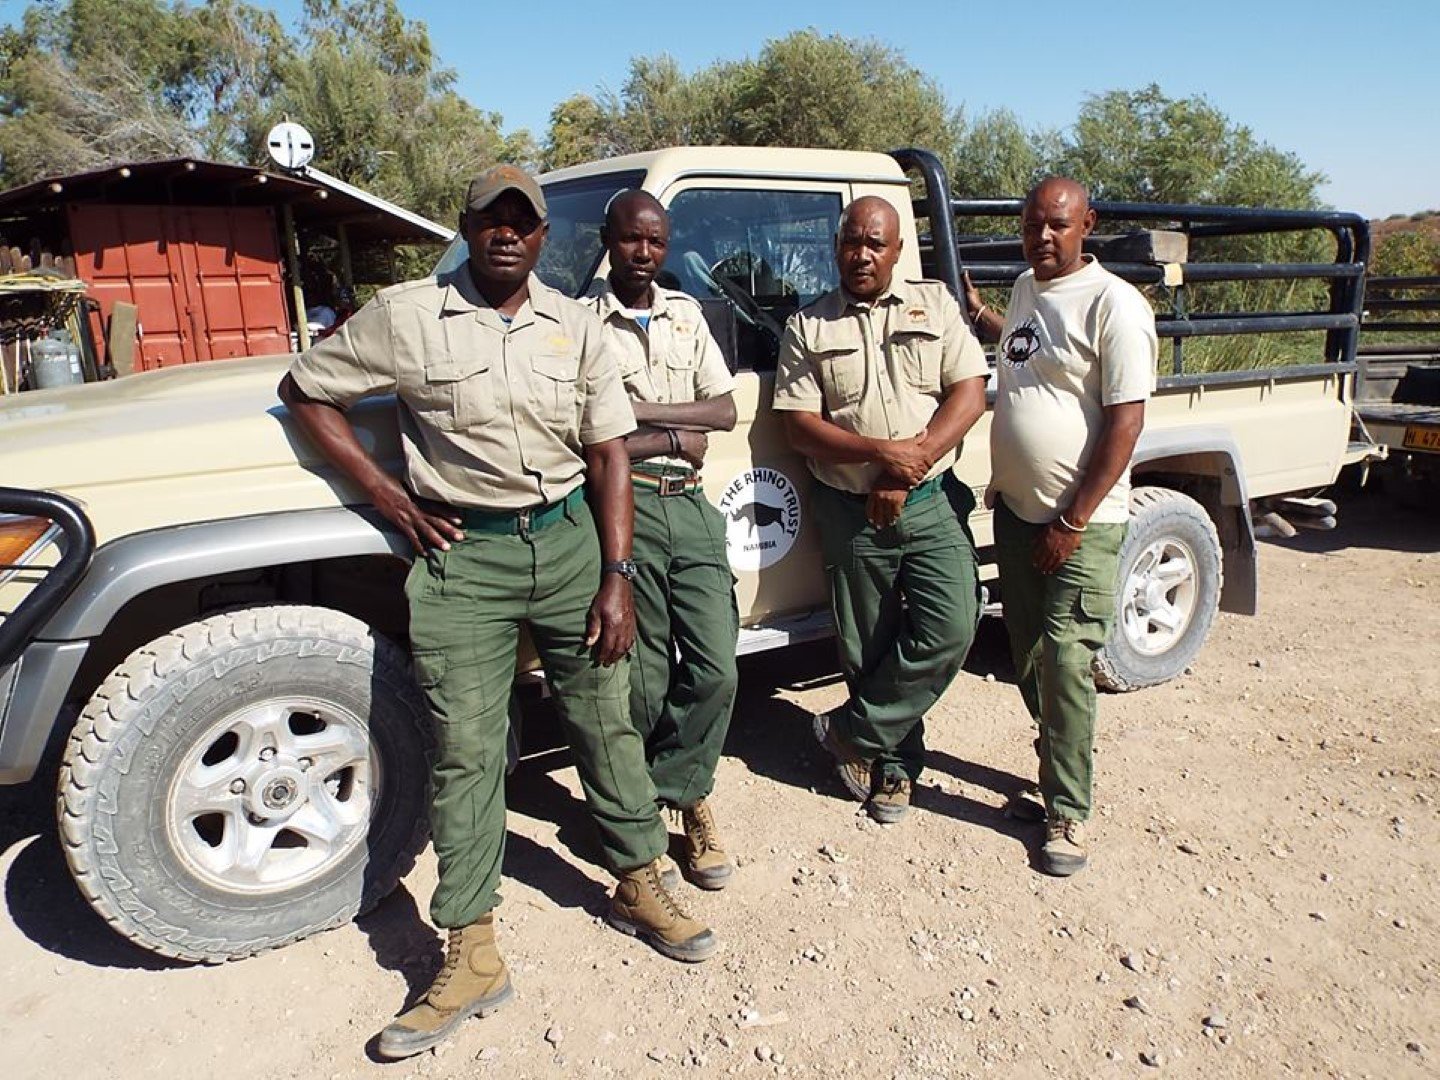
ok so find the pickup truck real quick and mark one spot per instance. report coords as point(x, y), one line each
point(247, 765)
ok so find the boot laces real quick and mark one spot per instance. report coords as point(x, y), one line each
point(701, 828)
point(889, 787)
point(652, 874)
point(453, 952)
point(1063, 828)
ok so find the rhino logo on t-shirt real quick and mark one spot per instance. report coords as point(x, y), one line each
point(1020, 344)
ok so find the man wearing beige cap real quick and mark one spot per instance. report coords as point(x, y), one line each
point(517, 497)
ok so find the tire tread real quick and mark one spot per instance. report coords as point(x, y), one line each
point(116, 708)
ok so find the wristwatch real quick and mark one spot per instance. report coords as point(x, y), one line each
point(626, 568)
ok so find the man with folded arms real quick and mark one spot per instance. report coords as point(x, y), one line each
point(682, 671)
point(879, 381)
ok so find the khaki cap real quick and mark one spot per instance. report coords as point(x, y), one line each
point(495, 181)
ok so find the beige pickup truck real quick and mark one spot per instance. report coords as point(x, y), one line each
point(248, 762)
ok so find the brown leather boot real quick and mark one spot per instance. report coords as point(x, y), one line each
point(643, 908)
point(472, 982)
point(705, 858)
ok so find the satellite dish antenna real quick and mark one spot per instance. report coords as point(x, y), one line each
point(290, 145)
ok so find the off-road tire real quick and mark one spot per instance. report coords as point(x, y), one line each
point(154, 709)
point(1160, 516)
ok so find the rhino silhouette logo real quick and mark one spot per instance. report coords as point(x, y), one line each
point(759, 515)
point(761, 508)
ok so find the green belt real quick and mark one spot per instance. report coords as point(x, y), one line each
point(520, 522)
point(919, 493)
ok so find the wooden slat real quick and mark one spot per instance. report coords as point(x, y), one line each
point(120, 339)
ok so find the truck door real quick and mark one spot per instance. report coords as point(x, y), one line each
point(758, 250)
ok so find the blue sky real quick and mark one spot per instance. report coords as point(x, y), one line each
point(1352, 88)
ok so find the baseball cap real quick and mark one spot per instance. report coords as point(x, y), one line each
point(495, 181)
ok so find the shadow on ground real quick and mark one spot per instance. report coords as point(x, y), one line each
point(42, 899)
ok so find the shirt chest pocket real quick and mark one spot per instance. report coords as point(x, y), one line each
point(840, 362)
point(681, 365)
point(455, 392)
point(554, 390)
point(919, 353)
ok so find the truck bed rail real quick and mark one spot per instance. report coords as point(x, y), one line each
point(997, 261)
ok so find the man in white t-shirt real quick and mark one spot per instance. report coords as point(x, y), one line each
point(1074, 367)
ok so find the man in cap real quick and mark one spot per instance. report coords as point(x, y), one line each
point(1075, 366)
point(682, 672)
point(513, 422)
point(880, 380)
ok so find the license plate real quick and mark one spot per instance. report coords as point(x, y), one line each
point(1422, 438)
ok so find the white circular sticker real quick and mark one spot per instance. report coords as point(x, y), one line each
point(762, 518)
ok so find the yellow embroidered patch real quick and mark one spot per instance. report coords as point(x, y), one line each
point(918, 316)
point(559, 341)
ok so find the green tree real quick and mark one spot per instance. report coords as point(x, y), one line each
point(1144, 146)
point(89, 82)
point(1406, 253)
point(805, 89)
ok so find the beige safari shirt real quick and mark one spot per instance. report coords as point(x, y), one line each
point(491, 416)
point(879, 369)
point(674, 361)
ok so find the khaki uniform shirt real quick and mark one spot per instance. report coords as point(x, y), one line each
point(879, 369)
point(492, 416)
point(673, 361)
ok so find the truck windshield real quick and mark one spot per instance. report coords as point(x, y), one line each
point(572, 249)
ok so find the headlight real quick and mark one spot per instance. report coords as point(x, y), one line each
point(21, 540)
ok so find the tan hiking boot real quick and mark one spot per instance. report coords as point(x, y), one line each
point(853, 770)
point(890, 801)
point(472, 982)
point(705, 858)
point(1064, 851)
point(642, 907)
point(669, 873)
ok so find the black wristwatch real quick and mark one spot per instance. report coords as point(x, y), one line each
point(626, 568)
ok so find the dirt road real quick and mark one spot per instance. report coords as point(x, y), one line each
point(1263, 896)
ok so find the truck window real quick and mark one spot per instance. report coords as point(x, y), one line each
point(572, 248)
point(765, 253)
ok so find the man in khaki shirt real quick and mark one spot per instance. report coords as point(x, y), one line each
point(682, 673)
point(880, 380)
point(511, 413)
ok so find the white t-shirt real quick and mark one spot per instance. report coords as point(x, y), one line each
point(1070, 346)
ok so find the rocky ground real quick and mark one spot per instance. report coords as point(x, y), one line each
point(1262, 896)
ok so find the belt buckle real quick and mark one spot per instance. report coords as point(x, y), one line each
point(522, 523)
point(672, 485)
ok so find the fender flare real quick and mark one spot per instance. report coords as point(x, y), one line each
point(1241, 590)
point(125, 568)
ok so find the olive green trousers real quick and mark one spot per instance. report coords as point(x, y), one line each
point(682, 669)
point(1057, 623)
point(466, 607)
point(905, 600)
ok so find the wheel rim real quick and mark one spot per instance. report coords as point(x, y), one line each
point(274, 795)
point(1158, 598)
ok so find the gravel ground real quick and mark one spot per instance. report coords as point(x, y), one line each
point(1261, 899)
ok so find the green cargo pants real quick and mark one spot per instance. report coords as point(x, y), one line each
point(685, 604)
point(466, 607)
point(1057, 623)
point(905, 600)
